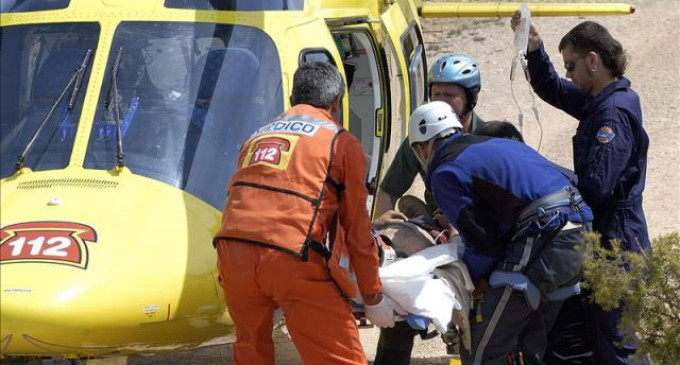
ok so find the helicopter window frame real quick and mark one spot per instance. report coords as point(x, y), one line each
point(313, 51)
point(414, 53)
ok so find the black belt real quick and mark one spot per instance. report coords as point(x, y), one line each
point(546, 208)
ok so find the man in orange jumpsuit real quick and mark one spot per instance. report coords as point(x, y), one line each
point(297, 178)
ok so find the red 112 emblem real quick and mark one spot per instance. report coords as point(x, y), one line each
point(49, 242)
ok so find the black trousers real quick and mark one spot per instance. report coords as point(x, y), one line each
point(395, 345)
point(568, 342)
point(506, 320)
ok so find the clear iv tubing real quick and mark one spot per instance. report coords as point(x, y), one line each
point(538, 120)
point(520, 117)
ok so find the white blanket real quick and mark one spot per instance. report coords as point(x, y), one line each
point(412, 284)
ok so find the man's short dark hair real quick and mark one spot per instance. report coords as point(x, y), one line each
point(592, 37)
point(499, 129)
point(317, 84)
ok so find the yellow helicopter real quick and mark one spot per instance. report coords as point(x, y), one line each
point(121, 122)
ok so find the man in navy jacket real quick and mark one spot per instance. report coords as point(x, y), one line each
point(610, 148)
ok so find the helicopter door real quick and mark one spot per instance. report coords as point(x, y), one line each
point(400, 24)
point(366, 93)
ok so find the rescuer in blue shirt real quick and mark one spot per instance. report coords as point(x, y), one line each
point(508, 203)
point(610, 149)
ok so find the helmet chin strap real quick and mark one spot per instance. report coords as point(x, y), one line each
point(428, 149)
point(422, 163)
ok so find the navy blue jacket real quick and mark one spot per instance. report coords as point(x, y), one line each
point(610, 150)
point(482, 184)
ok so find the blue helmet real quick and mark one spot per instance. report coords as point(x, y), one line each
point(459, 69)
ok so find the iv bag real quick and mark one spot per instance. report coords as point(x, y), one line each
point(522, 30)
point(521, 41)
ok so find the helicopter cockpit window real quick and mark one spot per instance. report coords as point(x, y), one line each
point(414, 52)
point(236, 5)
point(37, 64)
point(190, 94)
point(20, 6)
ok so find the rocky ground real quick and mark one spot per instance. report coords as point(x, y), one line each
point(651, 37)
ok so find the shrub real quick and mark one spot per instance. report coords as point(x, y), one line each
point(649, 284)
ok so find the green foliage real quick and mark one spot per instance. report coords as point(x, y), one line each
point(648, 283)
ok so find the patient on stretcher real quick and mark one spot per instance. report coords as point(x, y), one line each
point(427, 278)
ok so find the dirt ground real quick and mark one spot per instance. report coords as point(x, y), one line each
point(651, 37)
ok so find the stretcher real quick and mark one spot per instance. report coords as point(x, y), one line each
point(425, 277)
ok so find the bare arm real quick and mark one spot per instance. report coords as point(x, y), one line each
point(385, 202)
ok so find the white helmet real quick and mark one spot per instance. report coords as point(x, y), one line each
point(434, 119)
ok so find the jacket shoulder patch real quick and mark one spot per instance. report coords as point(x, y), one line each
point(605, 134)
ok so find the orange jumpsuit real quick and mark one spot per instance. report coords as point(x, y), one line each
point(297, 178)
